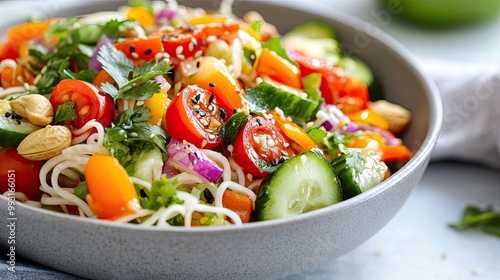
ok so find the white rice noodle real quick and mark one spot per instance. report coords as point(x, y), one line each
point(236, 57)
point(239, 172)
point(235, 187)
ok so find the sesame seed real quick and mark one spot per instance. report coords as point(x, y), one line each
point(204, 122)
point(211, 39)
point(179, 50)
point(198, 53)
point(159, 56)
point(211, 85)
point(197, 64)
point(134, 55)
point(139, 103)
point(166, 55)
point(131, 49)
point(211, 136)
point(191, 47)
point(181, 57)
point(230, 148)
point(148, 51)
point(211, 98)
point(258, 121)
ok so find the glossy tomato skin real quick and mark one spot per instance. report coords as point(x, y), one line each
point(336, 85)
point(19, 173)
point(250, 154)
point(195, 115)
point(141, 48)
point(90, 103)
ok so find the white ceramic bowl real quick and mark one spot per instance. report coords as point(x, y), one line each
point(261, 250)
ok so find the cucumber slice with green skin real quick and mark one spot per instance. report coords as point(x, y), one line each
point(301, 184)
point(315, 29)
point(357, 69)
point(358, 170)
point(13, 131)
point(266, 97)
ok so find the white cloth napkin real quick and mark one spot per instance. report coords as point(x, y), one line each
point(471, 104)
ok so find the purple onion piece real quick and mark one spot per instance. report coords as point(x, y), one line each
point(94, 64)
point(162, 81)
point(165, 14)
point(328, 125)
point(188, 158)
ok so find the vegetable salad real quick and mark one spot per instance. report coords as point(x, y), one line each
point(159, 114)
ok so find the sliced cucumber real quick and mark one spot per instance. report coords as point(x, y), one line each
point(266, 97)
point(324, 48)
point(357, 68)
point(358, 170)
point(315, 29)
point(12, 129)
point(302, 183)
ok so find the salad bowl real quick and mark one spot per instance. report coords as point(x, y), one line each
point(99, 249)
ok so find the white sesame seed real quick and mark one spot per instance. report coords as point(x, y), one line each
point(230, 148)
point(198, 53)
point(139, 103)
point(158, 56)
point(181, 57)
point(211, 39)
point(166, 55)
point(179, 49)
point(134, 55)
point(204, 122)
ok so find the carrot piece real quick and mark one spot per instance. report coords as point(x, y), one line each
point(394, 153)
point(101, 78)
point(239, 203)
point(111, 192)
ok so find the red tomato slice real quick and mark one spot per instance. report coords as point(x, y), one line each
point(89, 103)
point(18, 173)
point(141, 48)
point(336, 85)
point(260, 143)
point(184, 42)
point(194, 115)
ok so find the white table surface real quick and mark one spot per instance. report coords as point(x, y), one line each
point(417, 243)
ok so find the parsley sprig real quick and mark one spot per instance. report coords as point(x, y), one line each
point(134, 82)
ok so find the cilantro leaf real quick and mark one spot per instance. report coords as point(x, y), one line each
point(134, 82)
point(81, 190)
point(65, 113)
point(486, 219)
point(163, 193)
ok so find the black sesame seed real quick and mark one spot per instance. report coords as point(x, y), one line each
point(18, 122)
point(238, 91)
point(235, 111)
point(211, 85)
point(148, 51)
point(16, 117)
point(273, 162)
point(197, 110)
point(211, 107)
point(282, 159)
point(8, 114)
point(132, 49)
point(202, 42)
point(195, 99)
point(211, 98)
point(222, 112)
point(202, 113)
point(197, 64)
point(258, 121)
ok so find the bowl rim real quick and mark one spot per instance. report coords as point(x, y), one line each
point(436, 117)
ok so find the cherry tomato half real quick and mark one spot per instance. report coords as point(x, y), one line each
point(141, 48)
point(19, 173)
point(89, 103)
point(195, 115)
point(336, 85)
point(260, 143)
point(183, 42)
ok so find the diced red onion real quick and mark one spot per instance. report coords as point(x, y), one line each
point(94, 64)
point(350, 127)
point(328, 125)
point(188, 158)
point(165, 14)
point(162, 81)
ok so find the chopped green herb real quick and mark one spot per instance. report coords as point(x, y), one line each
point(485, 219)
point(65, 113)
